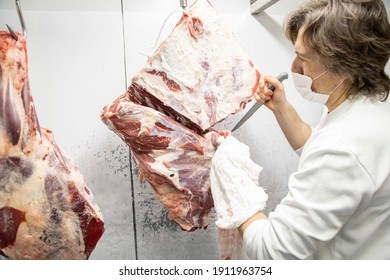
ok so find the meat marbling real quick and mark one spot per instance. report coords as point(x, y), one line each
point(196, 78)
point(46, 209)
point(200, 74)
point(172, 158)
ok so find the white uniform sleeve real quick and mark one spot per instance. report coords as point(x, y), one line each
point(328, 188)
point(299, 151)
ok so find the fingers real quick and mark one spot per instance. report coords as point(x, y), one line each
point(264, 92)
point(224, 133)
point(261, 97)
point(218, 138)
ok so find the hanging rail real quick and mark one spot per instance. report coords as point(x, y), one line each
point(258, 6)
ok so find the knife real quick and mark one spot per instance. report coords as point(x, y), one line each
point(281, 77)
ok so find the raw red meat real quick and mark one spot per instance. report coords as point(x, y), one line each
point(46, 210)
point(175, 160)
point(197, 77)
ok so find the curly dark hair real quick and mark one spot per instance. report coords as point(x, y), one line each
point(351, 37)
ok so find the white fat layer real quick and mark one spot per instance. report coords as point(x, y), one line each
point(213, 72)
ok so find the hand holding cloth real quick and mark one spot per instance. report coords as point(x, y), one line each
point(234, 184)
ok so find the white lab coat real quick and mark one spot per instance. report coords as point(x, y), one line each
point(338, 205)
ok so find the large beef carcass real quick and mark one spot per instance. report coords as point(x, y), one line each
point(46, 209)
point(197, 77)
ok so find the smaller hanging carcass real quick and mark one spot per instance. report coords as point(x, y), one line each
point(46, 209)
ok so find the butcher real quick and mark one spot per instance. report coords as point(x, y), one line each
point(337, 206)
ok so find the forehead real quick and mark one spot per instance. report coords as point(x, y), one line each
point(299, 44)
point(301, 47)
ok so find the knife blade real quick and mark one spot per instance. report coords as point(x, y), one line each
point(281, 77)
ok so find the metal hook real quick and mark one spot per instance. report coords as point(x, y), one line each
point(13, 34)
point(183, 4)
point(20, 15)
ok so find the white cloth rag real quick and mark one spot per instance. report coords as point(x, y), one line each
point(234, 184)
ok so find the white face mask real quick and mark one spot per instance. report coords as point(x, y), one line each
point(303, 85)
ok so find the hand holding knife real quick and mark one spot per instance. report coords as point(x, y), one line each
point(281, 77)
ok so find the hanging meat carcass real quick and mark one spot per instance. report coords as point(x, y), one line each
point(46, 209)
point(197, 77)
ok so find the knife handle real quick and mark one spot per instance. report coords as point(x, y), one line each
point(281, 77)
